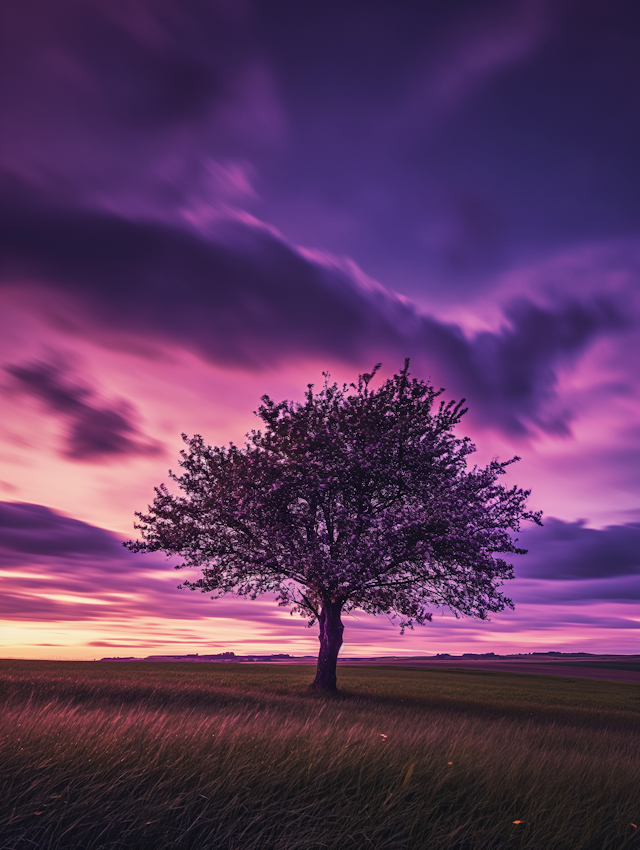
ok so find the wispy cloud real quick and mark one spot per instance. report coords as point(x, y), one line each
point(479, 46)
point(95, 432)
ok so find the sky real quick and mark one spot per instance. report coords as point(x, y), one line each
point(204, 202)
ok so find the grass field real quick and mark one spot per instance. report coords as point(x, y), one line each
point(134, 755)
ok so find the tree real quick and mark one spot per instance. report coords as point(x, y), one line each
point(354, 498)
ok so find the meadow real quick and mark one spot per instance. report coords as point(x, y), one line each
point(230, 756)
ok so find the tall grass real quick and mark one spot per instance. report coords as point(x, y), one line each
point(229, 756)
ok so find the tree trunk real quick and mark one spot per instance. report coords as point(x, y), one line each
point(330, 638)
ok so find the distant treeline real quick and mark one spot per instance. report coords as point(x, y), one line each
point(221, 656)
point(280, 656)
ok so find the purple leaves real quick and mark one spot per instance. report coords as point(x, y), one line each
point(355, 498)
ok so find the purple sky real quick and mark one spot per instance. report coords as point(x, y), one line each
point(204, 202)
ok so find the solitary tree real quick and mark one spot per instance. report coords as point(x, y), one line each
point(355, 498)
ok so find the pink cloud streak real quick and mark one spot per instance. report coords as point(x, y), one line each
point(64, 578)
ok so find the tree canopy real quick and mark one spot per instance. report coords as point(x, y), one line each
point(354, 498)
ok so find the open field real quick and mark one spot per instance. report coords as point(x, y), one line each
point(235, 756)
point(620, 668)
point(617, 668)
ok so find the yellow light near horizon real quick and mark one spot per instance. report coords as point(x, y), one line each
point(26, 575)
point(84, 640)
point(73, 599)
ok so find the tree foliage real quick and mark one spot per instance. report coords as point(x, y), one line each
point(354, 498)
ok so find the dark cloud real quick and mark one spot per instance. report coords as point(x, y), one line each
point(29, 530)
point(569, 551)
point(436, 143)
point(128, 101)
point(526, 109)
point(620, 589)
point(95, 433)
point(243, 296)
point(513, 373)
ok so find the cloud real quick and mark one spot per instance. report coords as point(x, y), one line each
point(34, 531)
point(569, 551)
point(482, 44)
point(621, 589)
point(95, 432)
point(569, 564)
point(514, 372)
point(56, 568)
point(129, 102)
point(243, 297)
point(133, 643)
